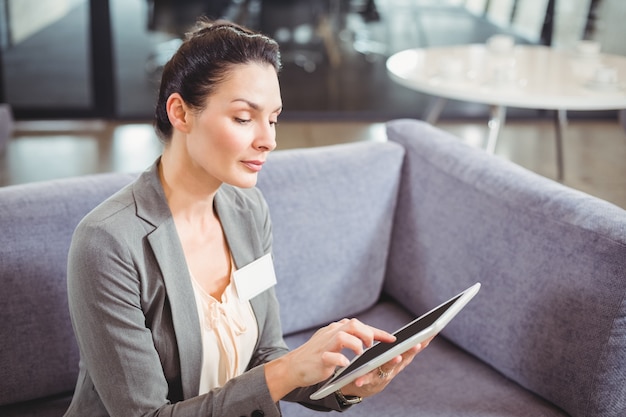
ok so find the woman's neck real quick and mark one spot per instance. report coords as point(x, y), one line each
point(189, 193)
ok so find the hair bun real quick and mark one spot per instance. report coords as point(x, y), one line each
point(204, 25)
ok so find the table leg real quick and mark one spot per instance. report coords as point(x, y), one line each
point(560, 122)
point(434, 111)
point(498, 117)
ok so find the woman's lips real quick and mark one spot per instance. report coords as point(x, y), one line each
point(254, 166)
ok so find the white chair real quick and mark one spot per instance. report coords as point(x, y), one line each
point(477, 7)
point(500, 12)
point(529, 18)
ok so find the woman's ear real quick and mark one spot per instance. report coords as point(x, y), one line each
point(178, 112)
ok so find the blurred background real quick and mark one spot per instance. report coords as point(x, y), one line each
point(78, 78)
point(101, 58)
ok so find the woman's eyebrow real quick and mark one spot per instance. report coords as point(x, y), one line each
point(254, 105)
point(250, 104)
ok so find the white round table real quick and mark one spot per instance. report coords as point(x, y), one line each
point(532, 77)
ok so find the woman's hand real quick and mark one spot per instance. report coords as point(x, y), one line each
point(376, 380)
point(317, 359)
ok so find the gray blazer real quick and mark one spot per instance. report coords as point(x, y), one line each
point(134, 314)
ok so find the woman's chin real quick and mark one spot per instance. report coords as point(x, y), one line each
point(247, 181)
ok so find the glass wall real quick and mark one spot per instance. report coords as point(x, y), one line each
point(46, 54)
point(102, 58)
point(138, 54)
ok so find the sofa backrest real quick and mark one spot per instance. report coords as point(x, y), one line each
point(551, 313)
point(39, 355)
point(332, 212)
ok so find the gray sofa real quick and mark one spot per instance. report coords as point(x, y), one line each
point(382, 232)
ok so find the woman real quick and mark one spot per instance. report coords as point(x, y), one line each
point(152, 272)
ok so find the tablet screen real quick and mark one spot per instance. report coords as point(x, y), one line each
point(420, 329)
point(401, 335)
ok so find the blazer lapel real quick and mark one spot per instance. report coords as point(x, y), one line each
point(152, 207)
point(244, 241)
point(169, 255)
point(240, 229)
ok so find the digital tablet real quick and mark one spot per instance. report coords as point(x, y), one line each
point(417, 331)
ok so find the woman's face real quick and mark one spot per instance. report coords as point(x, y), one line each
point(230, 139)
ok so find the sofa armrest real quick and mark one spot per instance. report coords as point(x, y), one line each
point(39, 355)
point(552, 312)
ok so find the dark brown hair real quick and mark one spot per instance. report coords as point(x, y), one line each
point(204, 60)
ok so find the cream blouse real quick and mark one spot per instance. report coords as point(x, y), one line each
point(229, 335)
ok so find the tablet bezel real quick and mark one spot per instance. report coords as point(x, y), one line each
point(456, 304)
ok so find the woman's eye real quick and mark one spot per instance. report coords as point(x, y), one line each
point(242, 121)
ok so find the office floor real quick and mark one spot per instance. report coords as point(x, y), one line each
point(594, 150)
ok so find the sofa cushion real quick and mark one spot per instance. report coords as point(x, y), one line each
point(551, 313)
point(442, 381)
point(54, 406)
point(332, 211)
point(39, 356)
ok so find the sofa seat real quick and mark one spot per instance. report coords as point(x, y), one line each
point(44, 407)
point(442, 381)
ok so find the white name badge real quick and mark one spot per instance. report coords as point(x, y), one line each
point(254, 278)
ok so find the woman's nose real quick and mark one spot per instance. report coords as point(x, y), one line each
point(266, 138)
